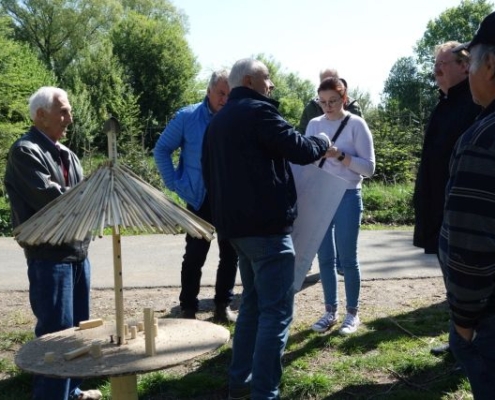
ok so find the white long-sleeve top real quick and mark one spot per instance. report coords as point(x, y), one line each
point(355, 140)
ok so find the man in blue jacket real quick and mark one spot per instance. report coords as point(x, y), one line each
point(246, 155)
point(185, 132)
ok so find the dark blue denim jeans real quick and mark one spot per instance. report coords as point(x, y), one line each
point(59, 297)
point(194, 259)
point(477, 358)
point(266, 265)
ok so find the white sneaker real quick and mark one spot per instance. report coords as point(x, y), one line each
point(350, 324)
point(90, 395)
point(328, 320)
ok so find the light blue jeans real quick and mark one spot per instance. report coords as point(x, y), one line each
point(59, 296)
point(342, 239)
point(266, 265)
point(477, 358)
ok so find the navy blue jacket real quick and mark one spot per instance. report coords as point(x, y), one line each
point(452, 116)
point(246, 155)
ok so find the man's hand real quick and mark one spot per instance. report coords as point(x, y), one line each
point(466, 333)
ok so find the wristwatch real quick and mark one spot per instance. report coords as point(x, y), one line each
point(341, 157)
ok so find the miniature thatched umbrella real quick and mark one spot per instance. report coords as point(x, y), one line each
point(113, 196)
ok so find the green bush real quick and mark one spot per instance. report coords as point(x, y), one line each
point(388, 204)
point(5, 225)
point(384, 204)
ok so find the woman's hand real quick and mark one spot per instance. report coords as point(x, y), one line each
point(332, 152)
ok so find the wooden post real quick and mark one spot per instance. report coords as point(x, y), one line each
point(118, 287)
point(124, 387)
point(149, 334)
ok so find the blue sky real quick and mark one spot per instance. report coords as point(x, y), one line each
point(362, 39)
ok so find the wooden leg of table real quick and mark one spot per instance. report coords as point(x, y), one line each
point(124, 387)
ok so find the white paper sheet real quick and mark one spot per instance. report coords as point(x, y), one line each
point(318, 195)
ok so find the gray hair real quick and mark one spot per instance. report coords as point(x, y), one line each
point(480, 54)
point(242, 68)
point(44, 98)
point(461, 55)
point(220, 75)
point(328, 73)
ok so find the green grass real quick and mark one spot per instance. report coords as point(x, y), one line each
point(388, 358)
point(388, 205)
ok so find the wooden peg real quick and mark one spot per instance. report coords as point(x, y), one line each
point(77, 352)
point(90, 323)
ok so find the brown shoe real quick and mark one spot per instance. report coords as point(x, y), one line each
point(90, 395)
point(224, 315)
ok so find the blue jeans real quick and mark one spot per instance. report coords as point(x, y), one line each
point(342, 239)
point(266, 264)
point(477, 358)
point(59, 297)
point(194, 259)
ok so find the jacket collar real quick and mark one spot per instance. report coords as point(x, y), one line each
point(488, 110)
point(456, 90)
point(242, 92)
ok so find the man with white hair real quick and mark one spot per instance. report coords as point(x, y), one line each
point(246, 155)
point(40, 169)
point(467, 237)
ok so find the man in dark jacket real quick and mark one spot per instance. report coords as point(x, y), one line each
point(246, 155)
point(454, 113)
point(467, 238)
point(40, 169)
point(313, 109)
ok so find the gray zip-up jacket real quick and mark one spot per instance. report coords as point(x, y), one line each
point(33, 178)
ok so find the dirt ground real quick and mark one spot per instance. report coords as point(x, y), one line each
point(379, 298)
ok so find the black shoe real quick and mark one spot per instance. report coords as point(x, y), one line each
point(224, 315)
point(188, 313)
point(313, 278)
point(440, 350)
point(240, 394)
point(340, 272)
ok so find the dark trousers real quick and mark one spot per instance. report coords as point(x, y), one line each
point(477, 357)
point(194, 259)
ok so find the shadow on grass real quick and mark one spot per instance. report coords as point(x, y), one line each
point(402, 377)
point(428, 383)
point(397, 378)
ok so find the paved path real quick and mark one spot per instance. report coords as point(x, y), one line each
point(155, 260)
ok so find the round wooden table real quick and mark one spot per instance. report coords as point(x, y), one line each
point(177, 341)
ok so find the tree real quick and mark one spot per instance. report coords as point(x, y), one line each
point(456, 23)
point(290, 90)
point(363, 98)
point(158, 63)
point(59, 29)
point(98, 75)
point(21, 74)
point(403, 86)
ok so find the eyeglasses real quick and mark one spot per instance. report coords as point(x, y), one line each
point(442, 63)
point(329, 102)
